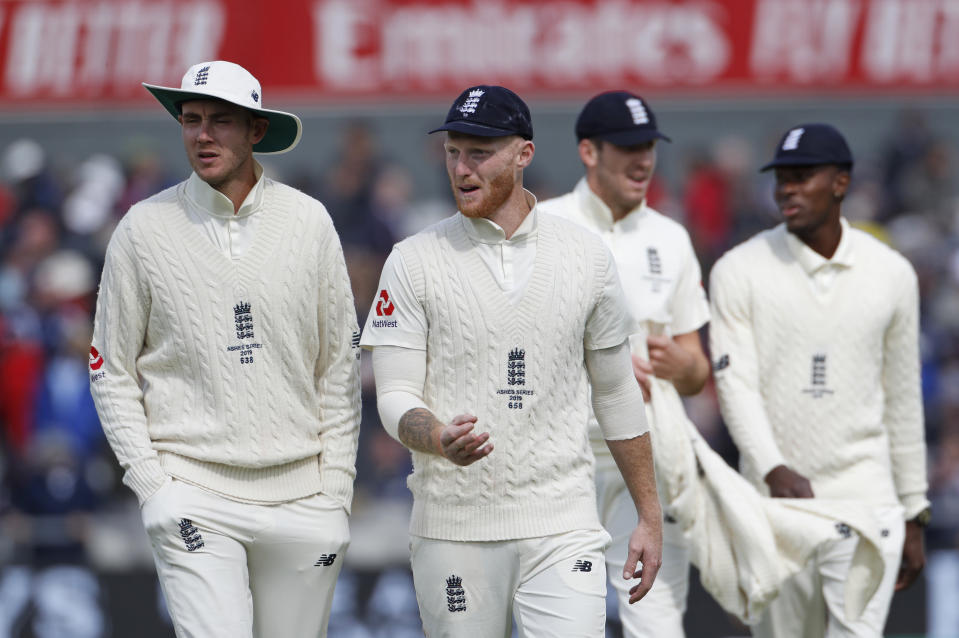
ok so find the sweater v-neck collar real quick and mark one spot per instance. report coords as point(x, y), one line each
point(215, 203)
point(494, 298)
point(269, 231)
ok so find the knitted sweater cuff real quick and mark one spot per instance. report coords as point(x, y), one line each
point(145, 477)
point(338, 483)
point(912, 504)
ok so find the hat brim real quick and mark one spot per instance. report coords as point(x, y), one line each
point(801, 160)
point(630, 137)
point(472, 128)
point(282, 135)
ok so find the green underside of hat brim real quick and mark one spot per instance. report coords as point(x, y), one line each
point(281, 136)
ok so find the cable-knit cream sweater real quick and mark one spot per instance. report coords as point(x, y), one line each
point(237, 375)
point(520, 370)
point(817, 365)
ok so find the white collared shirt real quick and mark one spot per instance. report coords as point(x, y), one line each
point(232, 232)
point(655, 258)
point(821, 271)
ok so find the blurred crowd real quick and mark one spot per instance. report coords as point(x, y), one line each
point(65, 518)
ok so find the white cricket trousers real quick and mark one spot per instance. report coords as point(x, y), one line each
point(660, 612)
point(812, 605)
point(554, 585)
point(241, 570)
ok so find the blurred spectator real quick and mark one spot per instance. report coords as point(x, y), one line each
point(51, 502)
point(348, 187)
point(706, 200)
point(909, 141)
point(25, 169)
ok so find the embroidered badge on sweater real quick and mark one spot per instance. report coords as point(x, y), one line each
point(243, 320)
point(516, 379)
point(818, 377)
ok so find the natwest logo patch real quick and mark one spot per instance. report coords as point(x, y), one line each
point(384, 306)
point(96, 361)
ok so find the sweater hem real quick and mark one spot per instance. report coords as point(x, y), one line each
point(275, 484)
point(497, 523)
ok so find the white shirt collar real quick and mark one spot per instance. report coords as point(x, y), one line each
point(217, 204)
point(486, 231)
point(600, 214)
point(811, 261)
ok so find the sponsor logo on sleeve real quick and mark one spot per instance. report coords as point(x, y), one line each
point(384, 308)
point(96, 362)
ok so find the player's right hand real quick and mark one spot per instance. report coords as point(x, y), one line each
point(643, 370)
point(644, 558)
point(460, 445)
point(786, 483)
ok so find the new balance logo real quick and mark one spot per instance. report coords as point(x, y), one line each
point(325, 560)
point(190, 535)
point(583, 566)
point(791, 143)
point(455, 594)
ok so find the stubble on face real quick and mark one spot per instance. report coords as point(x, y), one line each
point(493, 179)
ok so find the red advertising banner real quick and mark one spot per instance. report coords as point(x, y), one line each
point(97, 52)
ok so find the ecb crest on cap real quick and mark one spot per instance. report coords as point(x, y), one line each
point(791, 142)
point(637, 110)
point(469, 105)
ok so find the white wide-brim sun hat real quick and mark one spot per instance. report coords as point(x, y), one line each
point(234, 84)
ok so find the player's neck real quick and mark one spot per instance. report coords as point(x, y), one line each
point(512, 213)
point(824, 239)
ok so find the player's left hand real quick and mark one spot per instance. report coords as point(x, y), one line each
point(644, 558)
point(670, 360)
point(913, 556)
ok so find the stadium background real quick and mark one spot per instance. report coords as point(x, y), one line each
point(80, 141)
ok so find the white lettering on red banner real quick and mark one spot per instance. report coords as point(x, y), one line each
point(99, 51)
point(88, 48)
point(359, 44)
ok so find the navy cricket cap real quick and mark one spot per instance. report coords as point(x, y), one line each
point(618, 117)
point(489, 111)
point(811, 145)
